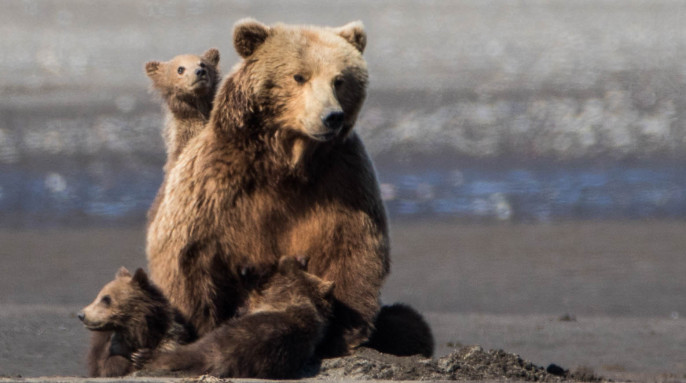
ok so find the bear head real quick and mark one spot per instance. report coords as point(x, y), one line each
point(308, 80)
point(292, 285)
point(126, 299)
point(185, 75)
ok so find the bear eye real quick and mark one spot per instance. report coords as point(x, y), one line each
point(338, 82)
point(202, 65)
point(180, 70)
point(106, 300)
point(299, 78)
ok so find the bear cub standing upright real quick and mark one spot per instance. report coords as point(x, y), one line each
point(286, 319)
point(130, 314)
point(187, 84)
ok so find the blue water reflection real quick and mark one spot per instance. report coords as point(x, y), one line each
point(100, 193)
point(538, 194)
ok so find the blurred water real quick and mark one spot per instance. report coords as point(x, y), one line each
point(482, 110)
point(122, 192)
point(537, 193)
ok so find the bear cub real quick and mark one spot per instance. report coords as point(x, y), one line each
point(275, 339)
point(187, 84)
point(130, 314)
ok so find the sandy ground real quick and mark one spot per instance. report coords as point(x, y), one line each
point(600, 295)
point(608, 296)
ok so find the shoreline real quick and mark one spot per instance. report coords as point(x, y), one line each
point(54, 343)
point(578, 294)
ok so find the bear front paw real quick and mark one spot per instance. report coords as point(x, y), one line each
point(140, 357)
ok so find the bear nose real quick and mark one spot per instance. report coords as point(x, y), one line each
point(334, 120)
point(81, 316)
point(200, 72)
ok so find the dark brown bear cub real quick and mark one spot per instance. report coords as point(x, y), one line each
point(286, 320)
point(130, 314)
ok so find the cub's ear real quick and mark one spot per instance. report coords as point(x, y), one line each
point(248, 35)
point(354, 33)
point(326, 288)
point(140, 277)
point(151, 68)
point(211, 56)
point(289, 264)
point(303, 260)
point(122, 272)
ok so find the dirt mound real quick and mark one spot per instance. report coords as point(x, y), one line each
point(467, 363)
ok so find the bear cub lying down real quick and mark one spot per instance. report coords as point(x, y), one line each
point(285, 320)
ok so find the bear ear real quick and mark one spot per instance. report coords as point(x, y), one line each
point(248, 35)
point(151, 68)
point(289, 264)
point(140, 277)
point(211, 56)
point(303, 260)
point(122, 272)
point(326, 288)
point(354, 33)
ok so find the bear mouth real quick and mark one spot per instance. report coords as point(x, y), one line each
point(97, 326)
point(324, 137)
point(200, 83)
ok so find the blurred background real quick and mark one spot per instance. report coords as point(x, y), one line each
point(531, 153)
point(477, 110)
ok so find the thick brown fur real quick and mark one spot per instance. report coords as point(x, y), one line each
point(401, 330)
point(103, 361)
point(130, 314)
point(268, 177)
point(187, 97)
point(286, 320)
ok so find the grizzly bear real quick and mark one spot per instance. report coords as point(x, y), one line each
point(286, 320)
point(130, 314)
point(187, 84)
point(278, 170)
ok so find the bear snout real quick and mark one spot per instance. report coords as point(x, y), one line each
point(334, 120)
point(81, 316)
point(200, 72)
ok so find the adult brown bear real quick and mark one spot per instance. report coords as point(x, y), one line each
point(278, 170)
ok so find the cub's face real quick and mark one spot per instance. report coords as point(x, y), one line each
point(313, 79)
point(291, 285)
point(185, 74)
point(108, 310)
